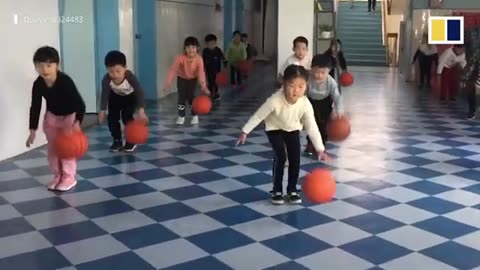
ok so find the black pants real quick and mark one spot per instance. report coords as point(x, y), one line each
point(371, 5)
point(186, 94)
point(280, 140)
point(212, 83)
point(425, 70)
point(119, 107)
point(472, 100)
point(235, 76)
point(322, 110)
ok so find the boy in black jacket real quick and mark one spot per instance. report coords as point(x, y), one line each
point(212, 59)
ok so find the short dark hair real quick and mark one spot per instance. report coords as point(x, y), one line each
point(237, 33)
point(191, 41)
point(322, 61)
point(293, 72)
point(46, 54)
point(458, 45)
point(210, 37)
point(114, 58)
point(244, 35)
point(300, 39)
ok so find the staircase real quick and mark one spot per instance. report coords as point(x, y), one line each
point(361, 34)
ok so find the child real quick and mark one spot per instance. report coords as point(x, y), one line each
point(122, 95)
point(322, 93)
point(285, 113)
point(213, 58)
point(426, 56)
point(336, 55)
point(189, 69)
point(235, 54)
point(447, 72)
point(251, 50)
point(299, 56)
point(65, 111)
point(470, 81)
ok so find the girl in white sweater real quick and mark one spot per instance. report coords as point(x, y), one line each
point(286, 113)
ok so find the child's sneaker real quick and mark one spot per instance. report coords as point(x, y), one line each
point(309, 150)
point(180, 120)
point(116, 146)
point(56, 180)
point(129, 147)
point(277, 198)
point(194, 120)
point(66, 185)
point(294, 198)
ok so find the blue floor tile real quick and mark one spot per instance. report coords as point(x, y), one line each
point(72, 232)
point(124, 261)
point(129, 190)
point(303, 218)
point(189, 192)
point(384, 251)
point(436, 205)
point(445, 227)
point(203, 263)
point(235, 215)
point(214, 241)
point(373, 223)
point(104, 208)
point(371, 201)
point(44, 259)
point(14, 226)
point(145, 236)
point(296, 245)
point(169, 211)
point(454, 254)
point(39, 206)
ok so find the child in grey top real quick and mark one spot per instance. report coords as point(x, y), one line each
point(323, 93)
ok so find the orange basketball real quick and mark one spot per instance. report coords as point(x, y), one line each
point(245, 66)
point(346, 78)
point(71, 145)
point(338, 129)
point(136, 132)
point(319, 186)
point(202, 104)
point(222, 78)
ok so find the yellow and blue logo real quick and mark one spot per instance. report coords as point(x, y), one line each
point(445, 30)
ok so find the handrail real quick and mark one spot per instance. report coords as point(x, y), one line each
point(384, 28)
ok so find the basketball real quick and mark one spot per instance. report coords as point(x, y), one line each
point(338, 129)
point(136, 132)
point(346, 78)
point(245, 66)
point(319, 186)
point(71, 145)
point(222, 78)
point(202, 104)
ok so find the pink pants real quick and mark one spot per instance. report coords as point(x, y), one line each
point(65, 169)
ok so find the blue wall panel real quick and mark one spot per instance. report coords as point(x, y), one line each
point(239, 16)
point(146, 45)
point(227, 23)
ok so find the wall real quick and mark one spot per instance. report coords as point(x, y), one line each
point(78, 50)
point(125, 18)
point(393, 26)
point(289, 26)
point(449, 4)
point(17, 80)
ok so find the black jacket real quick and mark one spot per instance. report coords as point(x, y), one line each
point(213, 59)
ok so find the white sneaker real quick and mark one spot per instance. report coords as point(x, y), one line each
point(194, 120)
point(180, 120)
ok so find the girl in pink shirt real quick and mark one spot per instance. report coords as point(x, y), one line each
point(189, 69)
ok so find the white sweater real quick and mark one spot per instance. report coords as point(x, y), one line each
point(449, 59)
point(293, 60)
point(278, 114)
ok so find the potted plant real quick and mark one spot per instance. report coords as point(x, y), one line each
point(325, 30)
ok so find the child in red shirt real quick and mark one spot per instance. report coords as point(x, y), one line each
point(189, 69)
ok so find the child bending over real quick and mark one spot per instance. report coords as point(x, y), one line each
point(285, 113)
point(323, 93)
point(189, 69)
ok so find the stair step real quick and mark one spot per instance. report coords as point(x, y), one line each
point(366, 63)
point(345, 22)
point(364, 17)
point(364, 50)
point(373, 57)
point(363, 28)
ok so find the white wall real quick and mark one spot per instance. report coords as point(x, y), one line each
point(125, 10)
point(290, 26)
point(79, 50)
point(17, 72)
point(177, 20)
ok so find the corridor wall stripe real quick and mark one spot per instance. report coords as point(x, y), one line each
point(227, 22)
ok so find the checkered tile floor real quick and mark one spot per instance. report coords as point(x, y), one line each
point(407, 195)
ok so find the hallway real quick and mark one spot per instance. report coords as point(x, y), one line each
point(408, 193)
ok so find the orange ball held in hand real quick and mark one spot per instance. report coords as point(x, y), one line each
point(346, 79)
point(136, 132)
point(71, 145)
point(202, 104)
point(319, 186)
point(338, 129)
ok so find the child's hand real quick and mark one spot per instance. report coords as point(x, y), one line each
point(241, 139)
point(322, 156)
point(101, 117)
point(31, 138)
point(76, 126)
point(206, 91)
point(142, 116)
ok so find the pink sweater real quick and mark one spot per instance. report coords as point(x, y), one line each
point(188, 69)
